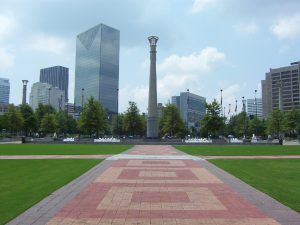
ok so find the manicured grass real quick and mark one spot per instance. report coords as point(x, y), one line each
point(26, 182)
point(279, 178)
point(61, 149)
point(243, 150)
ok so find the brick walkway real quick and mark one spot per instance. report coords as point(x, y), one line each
point(160, 191)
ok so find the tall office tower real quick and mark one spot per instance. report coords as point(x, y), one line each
point(254, 108)
point(4, 91)
point(280, 89)
point(45, 94)
point(97, 67)
point(192, 107)
point(57, 76)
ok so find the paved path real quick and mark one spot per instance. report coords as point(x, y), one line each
point(253, 157)
point(141, 188)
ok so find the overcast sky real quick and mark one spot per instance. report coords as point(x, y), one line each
point(204, 45)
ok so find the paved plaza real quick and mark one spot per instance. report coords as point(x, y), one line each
point(160, 185)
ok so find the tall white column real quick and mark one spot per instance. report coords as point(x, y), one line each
point(152, 121)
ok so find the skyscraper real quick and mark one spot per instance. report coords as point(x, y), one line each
point(192, 107)
point(47, 95)
point(253, 109)
point(57, 76)
point(97, 67)
point(281, 89)
point(4, 91)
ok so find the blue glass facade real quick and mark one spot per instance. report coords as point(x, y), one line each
point(192, 107)
point(97, 66)
point(57, 76)
point(4, 91)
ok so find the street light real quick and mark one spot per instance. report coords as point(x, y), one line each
point(244, 114)
point(49, 95)
point(255, 113)
point(187, 111)
point(221, 100)
point(117, 111)
point(82, 98)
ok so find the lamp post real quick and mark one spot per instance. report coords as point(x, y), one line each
point(255, 100)
point(118, 111)
point(187, 110)
point(244, 114)
point(82, 98)
point(221, 100)
point(49, 89)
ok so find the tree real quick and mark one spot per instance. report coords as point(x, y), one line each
point(133, 121)
point(42, 110)
point(292, 122)
point(275, 122)
point(118, 127)
point(30, 121)
point(61, 122)
point(171, 122)
point(238, 125)
point(48, 124)
point(14, 119)
point(93, 119)
point(213, 122)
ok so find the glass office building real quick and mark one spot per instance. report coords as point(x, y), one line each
point(97, 67)
point(4, 91)
point(57, 76)
point(192, 107)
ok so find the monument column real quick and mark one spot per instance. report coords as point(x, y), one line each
point(24, 91)
point(152, 121)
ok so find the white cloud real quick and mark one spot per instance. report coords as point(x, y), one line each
point(50, 44)
point(6, 58)
point(246, 28)
point(7, 24)
point(176, 74)
point(199, 5)
point(194, 63)
point(287, 28)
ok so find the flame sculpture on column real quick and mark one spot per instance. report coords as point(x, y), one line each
point(152, 121)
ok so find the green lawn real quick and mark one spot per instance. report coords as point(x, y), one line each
point(61, 149)
point(232, 150)
point(26, 182)
point(279, 178)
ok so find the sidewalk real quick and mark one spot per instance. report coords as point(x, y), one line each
point(173, 189)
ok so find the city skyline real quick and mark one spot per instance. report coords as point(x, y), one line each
point(205, 46)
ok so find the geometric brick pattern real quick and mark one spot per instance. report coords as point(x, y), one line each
point(143, 191)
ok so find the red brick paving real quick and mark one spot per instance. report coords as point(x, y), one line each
point(159, 192)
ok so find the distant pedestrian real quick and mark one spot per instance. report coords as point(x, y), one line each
point(280, 140)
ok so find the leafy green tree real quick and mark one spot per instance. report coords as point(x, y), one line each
point(30, 121)
point(48, 124)
point(71, 125)
point(42, 110)
point(213, 122)
point(238, 125)
point(93, 119)
point(14, 119)
point(275, 122)
point(292, 122)
point(133, 121)
point(257, 126)
point(61, 122)
point(171, 122)
point(118, 125)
